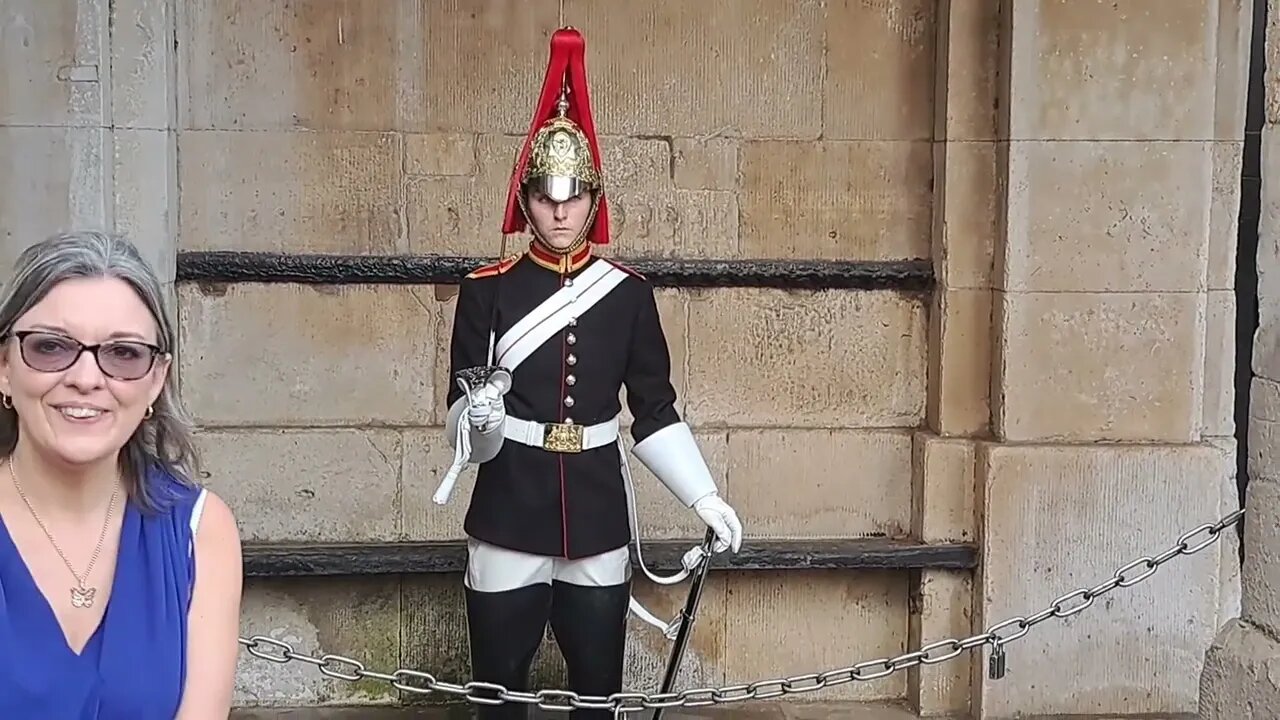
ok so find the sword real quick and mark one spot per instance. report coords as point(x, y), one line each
point(687, 617)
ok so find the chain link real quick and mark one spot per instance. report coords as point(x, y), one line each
point(623, 703)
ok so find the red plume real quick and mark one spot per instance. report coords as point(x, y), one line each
point(566, 65)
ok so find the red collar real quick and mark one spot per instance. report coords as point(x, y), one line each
point(556, 262)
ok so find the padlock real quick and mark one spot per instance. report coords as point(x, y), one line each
point(995, 664)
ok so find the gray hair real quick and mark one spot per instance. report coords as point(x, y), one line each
point(164, 442)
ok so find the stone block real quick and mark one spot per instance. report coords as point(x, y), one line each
point(55, 63)
point(945, 600)
point(944, 488)
point(772, 358)
point(1241, 679)
point(967, 203)
point(291, 192)
point(358, 618)
point(399, 65)
point(301, 355)
point(968, 70)
point(821, 483)
point(1135, 651)
point(445, 154)
point(880, 70)
point(705, 164)
point(1271, 73)
point(836, 200)
point(1235, 36)
point(827, 613)
point(143, 64)
point(1059, 377)
point(65, 188)
point(144, 195)
point(1107, 217)
point(1264, 430)
point(1260, 576)
point(1218, 417)
point(960, 344)
point(1120, 70)
point(692, 69)
point(1224, 214)
point(300, 486)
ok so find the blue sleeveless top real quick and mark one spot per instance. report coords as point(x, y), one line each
point(135, 664)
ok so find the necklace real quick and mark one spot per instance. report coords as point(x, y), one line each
point(81, 596)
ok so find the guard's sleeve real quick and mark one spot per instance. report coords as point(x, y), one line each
point(664, 443)
point(650, 395)
point(469, 346)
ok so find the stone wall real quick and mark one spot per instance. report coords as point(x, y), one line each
point(1063, 398)
point(1241, 679)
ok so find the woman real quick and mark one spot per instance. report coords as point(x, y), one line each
point(120, 579)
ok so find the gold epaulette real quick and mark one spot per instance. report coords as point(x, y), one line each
point(495, 268)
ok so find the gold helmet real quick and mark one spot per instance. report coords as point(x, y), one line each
point(560, 156)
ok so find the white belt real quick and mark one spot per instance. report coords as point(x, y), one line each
point(560, 437)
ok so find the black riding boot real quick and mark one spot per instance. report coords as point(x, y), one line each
point(590, 626)
point(505, 629)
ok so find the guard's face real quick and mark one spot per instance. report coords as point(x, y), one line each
point(73, 407)
point(559, 224)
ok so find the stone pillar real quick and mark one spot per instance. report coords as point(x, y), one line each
point(1241, 679)
point(1120, 129)
point(87, 128)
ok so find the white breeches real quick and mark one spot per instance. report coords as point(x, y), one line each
point(495, 569)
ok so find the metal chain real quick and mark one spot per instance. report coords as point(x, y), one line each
point(482, 693)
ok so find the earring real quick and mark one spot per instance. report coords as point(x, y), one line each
point(150, 411)
point(6, 401)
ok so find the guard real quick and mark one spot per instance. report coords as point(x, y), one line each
point(543, 343)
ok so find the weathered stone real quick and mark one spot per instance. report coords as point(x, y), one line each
point(1121, 70)
point(727, 52)
point(1107, 217)
point(291, 192)
point(944, 611)
point(1241, 678)
point(440, 154)
point(880, 74)
point(943, 489)
point(846, 359)
point(358, 618)
point(55, 63)
point(821, 483)
point(967, 194)
point(1069, 516)
point(1266, 348)
point(830, 617)
point(1235, 31)
point(65, 190)
point(710, 164)
point(836, 200)
point(1260, 599)
point(960, 344)
point(1224, 214)
point(427, 456)
point(968, 70)
point(298, 355)
point(301, 485)
point(143, 64)
point(1068, 366)
point(1264, 430)
point(145, 196)
point(1220, 364)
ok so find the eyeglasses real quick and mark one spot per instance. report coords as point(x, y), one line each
point(118, 359)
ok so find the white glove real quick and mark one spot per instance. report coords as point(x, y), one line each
point(721, 518)
point(487, 411)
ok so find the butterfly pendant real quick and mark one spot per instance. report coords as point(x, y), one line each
point(83, 598)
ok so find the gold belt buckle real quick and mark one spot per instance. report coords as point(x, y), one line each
point(562, 438)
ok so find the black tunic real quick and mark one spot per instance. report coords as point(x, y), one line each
point(563, 504)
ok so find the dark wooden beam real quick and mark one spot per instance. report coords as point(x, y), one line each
point(313, 269)
point(299, 560)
